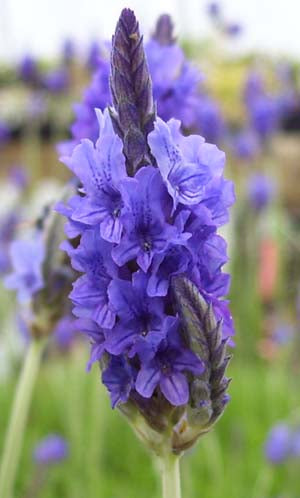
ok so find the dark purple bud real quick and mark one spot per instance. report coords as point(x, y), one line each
point(133, 111)
point(164, 28)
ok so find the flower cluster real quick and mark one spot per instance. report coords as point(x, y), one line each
point(138, 232)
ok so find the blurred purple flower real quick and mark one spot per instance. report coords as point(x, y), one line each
point(253, 87)
point(233, 29)
point(56, 81)
point(50, 450)
point(214, 9)
point(263, 115)
point(279, 444)
point(245, 145)
point(94, 55)
point(210, 121)
point(261, 190)
point(65, 332)
point(27, 257)
point(27, 70)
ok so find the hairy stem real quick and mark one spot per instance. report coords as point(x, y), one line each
point(18, 419)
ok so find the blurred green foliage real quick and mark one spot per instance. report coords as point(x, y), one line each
point(107, 461)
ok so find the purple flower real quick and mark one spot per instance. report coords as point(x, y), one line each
point(96, 336)
point(27, 257)
point(173, 261)
point(89, 294)
point(278, 444)
point(52, 449)
point(100, 169)
point(166, 369)
point(185, 173)
point(146, 230)
point(140, 317)
point(261, 191)
point(118, 378)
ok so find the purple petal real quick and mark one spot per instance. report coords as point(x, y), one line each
point(111, 229)
point(175, 388)
point(147, 380)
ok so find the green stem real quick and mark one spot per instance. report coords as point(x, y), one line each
point(170, 476)
point(19, 414)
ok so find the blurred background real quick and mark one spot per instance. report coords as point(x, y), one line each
point(54, 63)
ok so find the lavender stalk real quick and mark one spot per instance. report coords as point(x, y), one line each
point(42, 278)
point(18, 420)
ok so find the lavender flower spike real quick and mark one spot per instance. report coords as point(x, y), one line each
point(151, 295)
point(133, 112)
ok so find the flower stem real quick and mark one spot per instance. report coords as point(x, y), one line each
point(170, 476)
point(18, 419)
